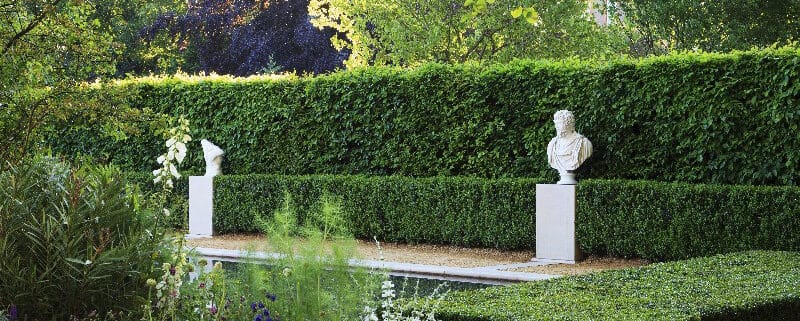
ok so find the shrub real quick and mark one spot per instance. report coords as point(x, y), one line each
point(667, 221)
point(462, 211)
point(718, 118)
point(73, 241)
point(740, 286)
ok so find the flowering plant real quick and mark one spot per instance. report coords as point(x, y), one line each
point(178, 136)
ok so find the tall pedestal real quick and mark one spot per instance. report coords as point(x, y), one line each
point(201, 206)
point(555, 224)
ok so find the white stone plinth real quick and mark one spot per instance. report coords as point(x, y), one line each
point(201, 206)
point(555, 224)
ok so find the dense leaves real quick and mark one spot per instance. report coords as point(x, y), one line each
point(47, 47)
point(245, 37)
point(668, 221)
point(74, 241)
point(691, 117)
point(712, 26)
point(443, 210)
point(739, 286)
point(398, 32)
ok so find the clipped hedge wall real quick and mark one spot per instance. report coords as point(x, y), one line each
point(718, 118)
point(740, 286)
point(439, 210)
point(675, 220)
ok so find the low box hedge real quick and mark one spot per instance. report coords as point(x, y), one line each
point(754, 285)
point(668, 221)
point(475, 212)
point(653, 220)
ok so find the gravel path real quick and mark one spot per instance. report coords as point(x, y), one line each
point(441, 255)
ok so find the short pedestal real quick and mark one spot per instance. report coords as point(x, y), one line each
point(201, 206)
point(555, 224)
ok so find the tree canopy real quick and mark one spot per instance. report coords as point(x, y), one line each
point(410, 32)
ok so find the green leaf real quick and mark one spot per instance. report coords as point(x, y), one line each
point(516, 13)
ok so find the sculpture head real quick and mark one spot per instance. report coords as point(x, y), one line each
point(565, 122)
point(213, 156)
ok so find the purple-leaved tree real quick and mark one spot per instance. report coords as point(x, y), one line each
point(245, 37)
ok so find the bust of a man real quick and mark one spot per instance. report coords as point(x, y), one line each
point(568, 150)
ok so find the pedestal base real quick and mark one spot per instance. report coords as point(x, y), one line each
point(201, 206)
point(555, 224)
point(567, 178)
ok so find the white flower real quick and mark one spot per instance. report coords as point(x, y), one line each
point(187, 138)
point(166, 212)
point(181, 147)
point(174, 171)
point(171, 154)
point(157, 179)
point(169, 183)
point(161, 159)
point(170, 142)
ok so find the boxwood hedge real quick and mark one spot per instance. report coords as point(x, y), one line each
point(667, 221)
point(438, 210)
point(718, 118)
point(751, 285)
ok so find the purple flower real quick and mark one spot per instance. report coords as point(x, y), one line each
point(253, 306)
point(12, 313)
point(260, 305)
point(266, 313)
point(271, 297)
point(172, 270)
point(213, 310)
point(258, 318)
point(202, 284)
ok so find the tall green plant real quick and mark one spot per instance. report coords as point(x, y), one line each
point(74, 240)
point(313, 277)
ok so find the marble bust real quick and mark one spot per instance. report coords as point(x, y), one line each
point(569, 149)
point(213, 156)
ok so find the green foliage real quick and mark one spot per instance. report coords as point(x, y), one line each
point(712, 26)
point(717, 118)
point(668, 221)
point(73, 241)
point(47, 48)
point(441, 210)
point(314, 277)
point(409, 33)
point(739, 286)
point(177, 202)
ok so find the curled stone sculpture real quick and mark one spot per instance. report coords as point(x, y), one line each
point(213, 156)
point(569, 149)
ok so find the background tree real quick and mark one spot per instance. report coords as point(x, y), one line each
point(47, 48)
point(659, 26)
point(403, 32)
point(244, 37)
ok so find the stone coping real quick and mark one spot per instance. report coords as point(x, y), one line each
point(489, 274)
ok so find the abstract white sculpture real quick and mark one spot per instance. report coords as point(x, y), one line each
point(568, 150)
point(213, 156)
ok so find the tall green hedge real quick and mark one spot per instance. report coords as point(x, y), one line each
point(438, 210)
point(675, 220)
point(718, 118)
point(740, 286)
